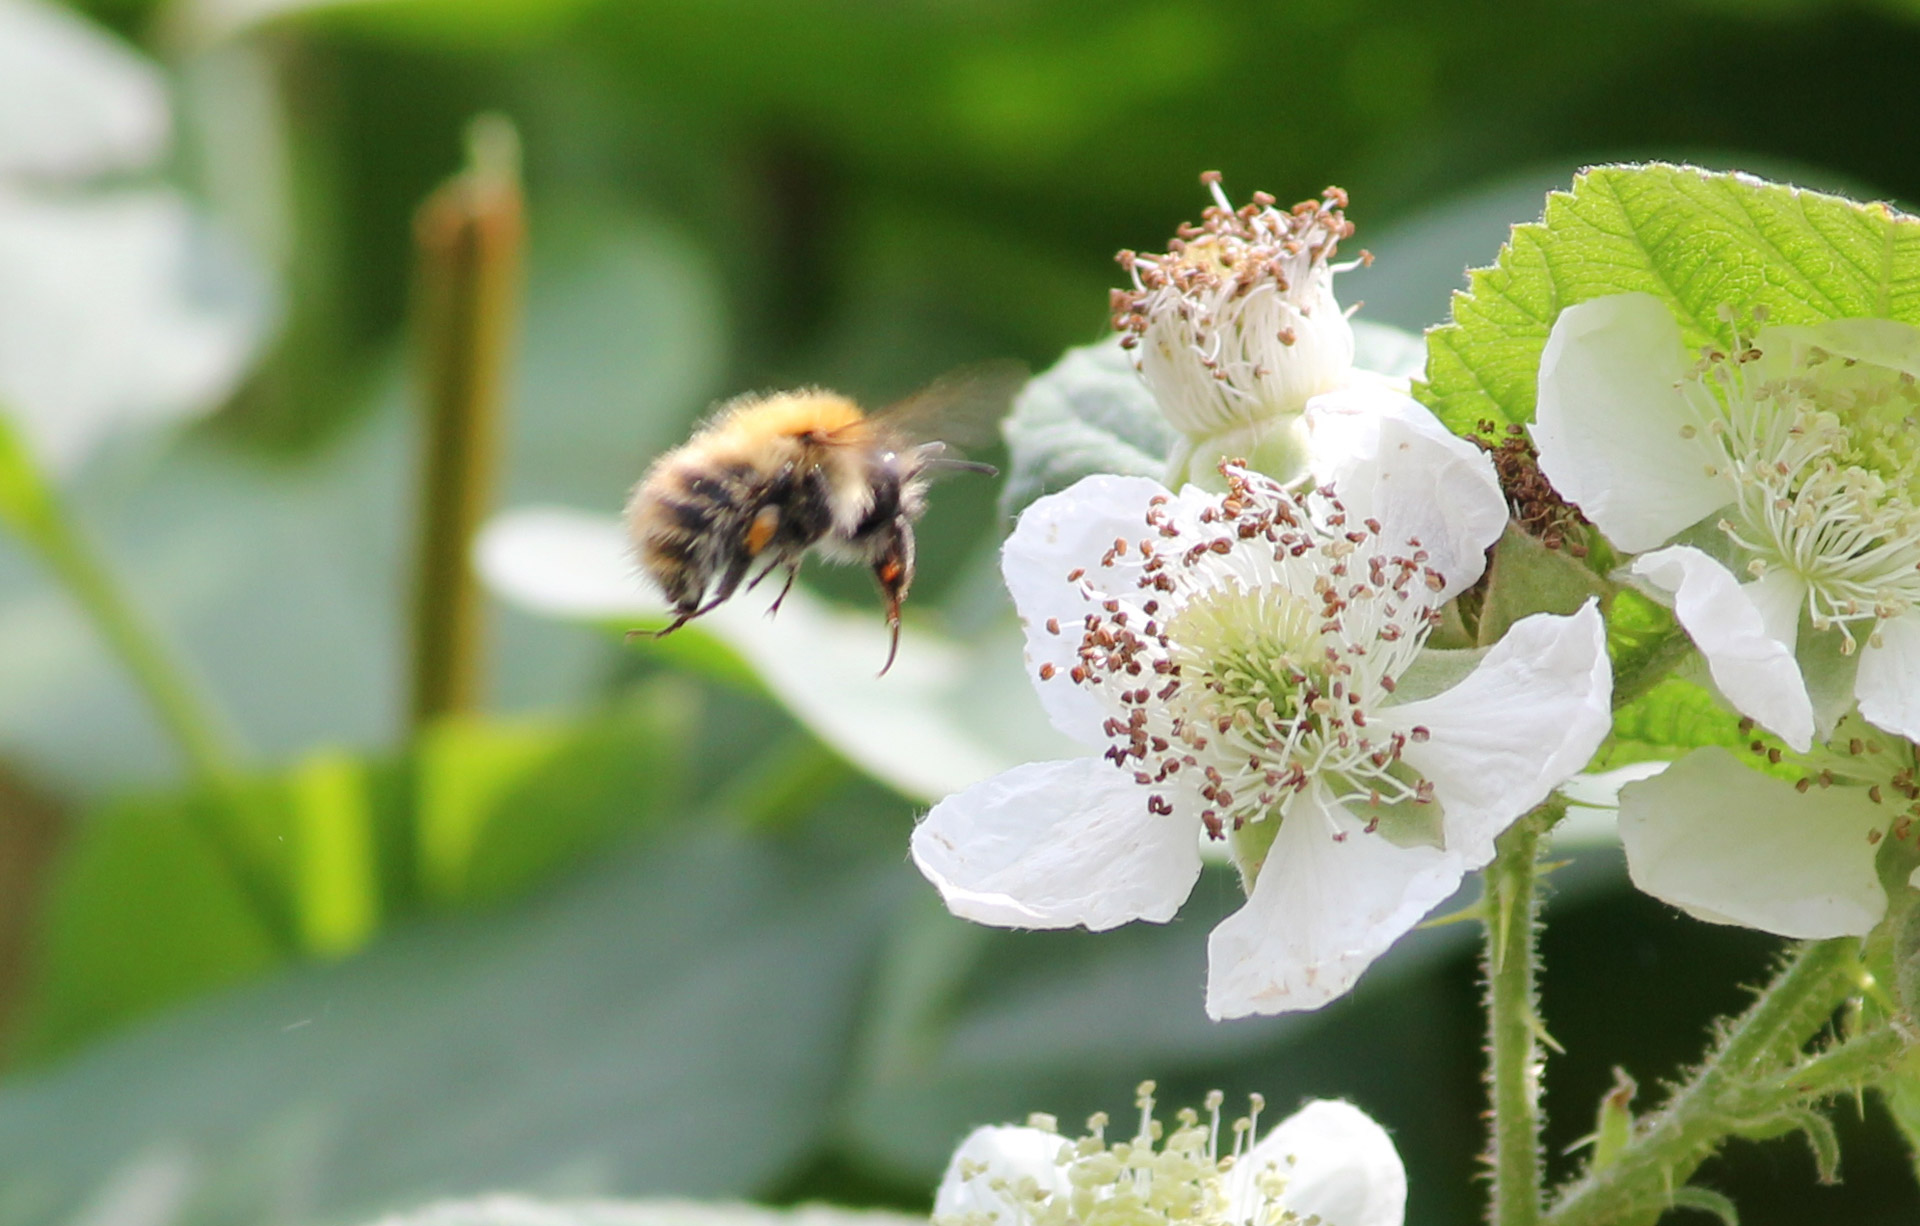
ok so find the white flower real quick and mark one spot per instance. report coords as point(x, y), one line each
point(118, 305)
point(1797, 857)
point(1783, 479)
point(1328, 1164)
point(1236, 327)
point(1251, 666)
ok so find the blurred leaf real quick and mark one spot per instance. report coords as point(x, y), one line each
point(489, 833)
point(516, 1211)
point(460, 23)
point(140, 916)
point(974, 1026)
point(948, 714)
point(1387, 350)
point(671, 1022)
point(137, 916)
point(1698, 241)
point(1089, 413)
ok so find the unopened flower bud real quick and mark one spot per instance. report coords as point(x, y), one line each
point(1236, 327)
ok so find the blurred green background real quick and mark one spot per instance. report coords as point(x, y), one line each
point(635, 930)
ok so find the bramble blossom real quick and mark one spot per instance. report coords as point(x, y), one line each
point(1327, 1164)
point(1251, 667)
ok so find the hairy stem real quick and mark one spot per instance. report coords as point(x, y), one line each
point(1513, 1020)
point(1753, 1073)
point(468, 236)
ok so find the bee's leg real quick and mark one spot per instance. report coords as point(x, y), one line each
point(773, 564)
point(686, 610)
point(793, 572)
point(683, 615)
point(893, 568)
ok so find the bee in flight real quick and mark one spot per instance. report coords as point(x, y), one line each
point(769, 478)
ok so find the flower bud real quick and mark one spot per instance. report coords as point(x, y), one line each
point(1236, 327)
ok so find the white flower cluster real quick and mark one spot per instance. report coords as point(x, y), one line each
point(1328, 1164)
point(1771, 491)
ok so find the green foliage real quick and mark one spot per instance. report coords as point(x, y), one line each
point(672, 1019)
point(142, 916)
point(1698, 241)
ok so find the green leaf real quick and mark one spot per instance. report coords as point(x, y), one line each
point(1673, 717)
point(1087, 413)
point(1697, 240)
point(673, 1021)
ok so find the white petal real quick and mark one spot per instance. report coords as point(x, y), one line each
point(1390, 459)
point(114, 311)
point(1341, 1169)
point(1888, 685)
point(1057, 535)
point(1009, 1154)
point(1529, 716)
point(564, 564)
point(1733, 846)
point(1054, 845)
point(1755, 671)
point(1779, 595)
point(1609, 418)
point(1329, 900)
point(74, 101)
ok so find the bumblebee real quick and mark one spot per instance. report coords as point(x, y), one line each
point(769, 478)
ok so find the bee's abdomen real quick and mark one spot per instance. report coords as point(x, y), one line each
point(687, 519)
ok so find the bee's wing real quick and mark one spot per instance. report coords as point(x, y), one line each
point(962, 408)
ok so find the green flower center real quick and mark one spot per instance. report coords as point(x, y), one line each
point(1823, 451)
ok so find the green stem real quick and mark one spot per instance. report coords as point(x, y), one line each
point(468, 237)
point(1840, 1068)
point(35, 511)
point(1750, 1075)
point(199, 735)
point(1513, 1021)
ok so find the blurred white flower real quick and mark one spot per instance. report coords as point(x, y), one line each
point(1327, 1164)
point(1783, 479)
point(1797, 857)
point(119, 305)
point(949, 712)
point(1235, 328)
point(1251, 666)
